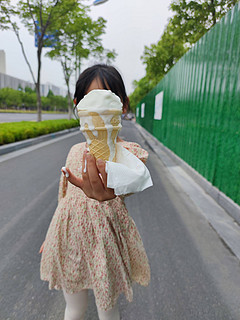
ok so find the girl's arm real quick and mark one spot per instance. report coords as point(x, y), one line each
point(94, 179)
point(42, 246)
point(138, 151)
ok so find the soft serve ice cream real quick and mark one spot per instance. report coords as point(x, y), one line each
point(100, 121)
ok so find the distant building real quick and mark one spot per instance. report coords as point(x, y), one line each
point(7, 81)
point(15, 83)
point(2, 61)
point(57, 91)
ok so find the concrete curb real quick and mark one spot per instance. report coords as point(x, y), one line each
point(30, 142)
point(225, 202)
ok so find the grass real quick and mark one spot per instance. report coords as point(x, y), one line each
point(17, 131)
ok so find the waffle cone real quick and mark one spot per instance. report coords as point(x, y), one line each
point(102, 135)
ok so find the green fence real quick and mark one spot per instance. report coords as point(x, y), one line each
point(195, 109)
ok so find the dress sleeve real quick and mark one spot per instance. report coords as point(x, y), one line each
point(137, 150)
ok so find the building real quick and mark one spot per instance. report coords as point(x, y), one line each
point(2, 62)
point(7, 81)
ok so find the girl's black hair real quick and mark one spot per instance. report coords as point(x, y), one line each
point(110, 79)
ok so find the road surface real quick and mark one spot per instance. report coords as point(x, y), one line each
point(194, 276)
point(16, 117)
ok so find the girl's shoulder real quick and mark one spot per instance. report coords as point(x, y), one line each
point(76, 148)
point(129, 145)
point(136, 149)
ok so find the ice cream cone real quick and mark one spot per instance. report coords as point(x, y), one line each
point(101, 124)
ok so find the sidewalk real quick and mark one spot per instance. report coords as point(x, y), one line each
point(220, 211)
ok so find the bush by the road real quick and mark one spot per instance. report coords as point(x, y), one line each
point(25, 99)
point(16, 131)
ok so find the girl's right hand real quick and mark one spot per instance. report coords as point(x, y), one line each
point(94, 179)
point(42, 246)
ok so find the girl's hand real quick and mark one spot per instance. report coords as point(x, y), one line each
point(94, 180)
point(42, 246)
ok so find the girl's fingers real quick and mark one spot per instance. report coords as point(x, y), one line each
point(101, 168)
point(65, 172)
point(87, 185)
point(91, 183)
point(72, 178)
point(84, 163)
point(93, 174)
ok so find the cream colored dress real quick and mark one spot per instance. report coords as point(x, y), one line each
point(92, 244)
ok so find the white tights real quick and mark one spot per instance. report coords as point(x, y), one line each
point(76, 306)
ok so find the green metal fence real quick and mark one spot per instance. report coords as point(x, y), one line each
point(195, 109)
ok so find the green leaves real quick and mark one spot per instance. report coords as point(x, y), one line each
point(78, 37)
point(191, 20)
point(161, 57)
point(16, 131)
point(27, 99)
point(7, 12)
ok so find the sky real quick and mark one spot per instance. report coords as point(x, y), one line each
point(131, 25)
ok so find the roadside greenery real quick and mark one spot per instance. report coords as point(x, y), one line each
point(191, 20)
point(80, 38)
point(26, 100)
point(64, 26)
point(17, 131)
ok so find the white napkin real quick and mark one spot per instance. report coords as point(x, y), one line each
point(128, 174)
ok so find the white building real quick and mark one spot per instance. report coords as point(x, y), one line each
point(16, 83)
point(2, 62)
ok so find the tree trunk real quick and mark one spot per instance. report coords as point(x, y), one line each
point(70, 103)
point(39, 102)
point(213, 12)
point(38, 89)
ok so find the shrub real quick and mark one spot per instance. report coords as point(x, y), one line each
point(16, 131)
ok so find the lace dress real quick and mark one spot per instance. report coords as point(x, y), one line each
point(92, 244)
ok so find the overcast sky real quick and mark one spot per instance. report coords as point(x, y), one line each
point(131, 24)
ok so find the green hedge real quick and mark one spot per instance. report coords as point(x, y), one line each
point(17, 131)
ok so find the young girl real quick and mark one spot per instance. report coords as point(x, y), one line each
point(92, 242)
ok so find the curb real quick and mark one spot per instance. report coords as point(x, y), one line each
point(232, 208)
point(30, 142)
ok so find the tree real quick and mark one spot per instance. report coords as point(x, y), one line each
point(142, 87)
point(193, 19)
point(40, 18)
point(76, 40)
point(10, 97)
point(50, 93)
point(29, 90)
point(4, 22)
point(160, 58)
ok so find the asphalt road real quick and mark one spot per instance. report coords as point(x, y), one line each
point(194, 276)
point(16, 117)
